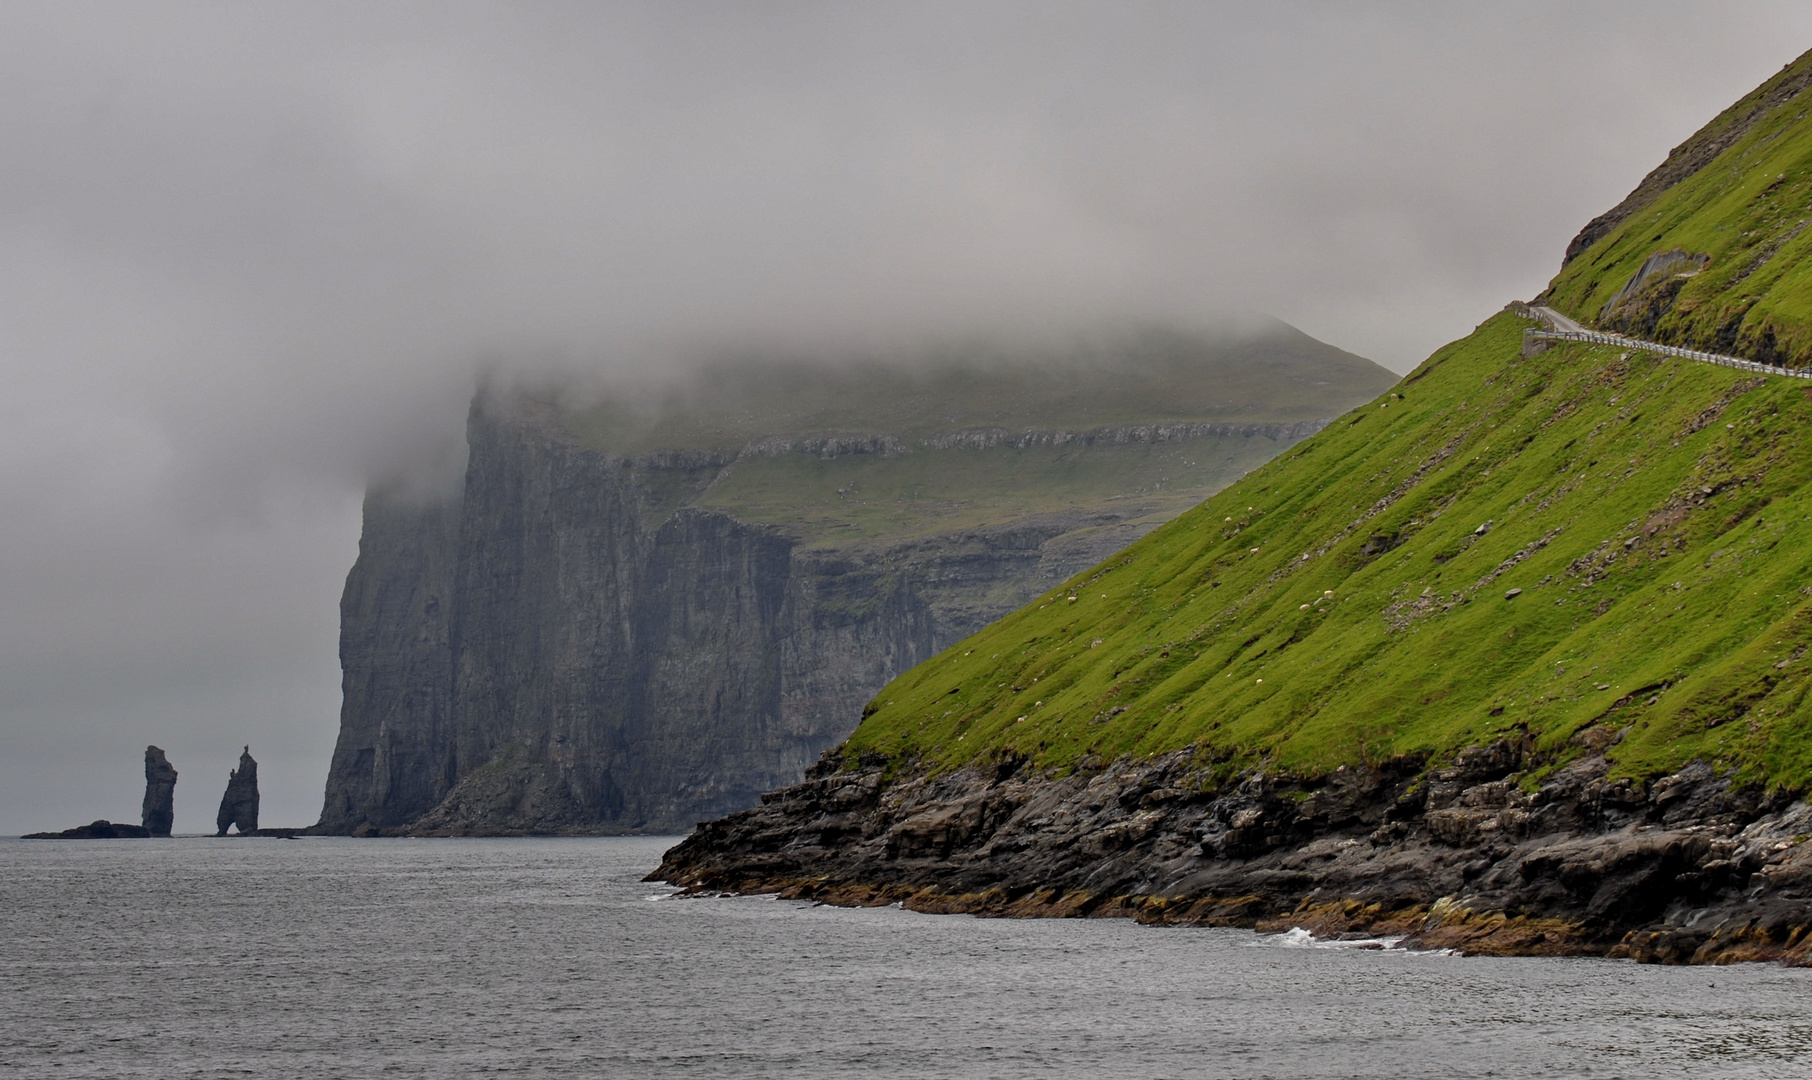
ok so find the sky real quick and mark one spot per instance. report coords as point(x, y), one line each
point(253, 257)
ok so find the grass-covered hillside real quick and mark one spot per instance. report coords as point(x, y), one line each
point(1591, 547)
point(1582, 539)
point(876, 453)
point(1712, 250)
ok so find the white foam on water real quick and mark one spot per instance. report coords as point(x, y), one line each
point(1298, 938)
point(1293, 938)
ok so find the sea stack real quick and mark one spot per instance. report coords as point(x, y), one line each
point(160, 793)
point(239, 806)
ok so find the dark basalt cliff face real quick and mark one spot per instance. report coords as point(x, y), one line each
point(567, 646)
point(646, 608)
point(1683, 869)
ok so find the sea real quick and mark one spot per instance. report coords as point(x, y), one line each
point(321, 958)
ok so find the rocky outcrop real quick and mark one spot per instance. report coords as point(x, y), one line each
point(95, 830)
point(568, 645)
point(1487, 854)
point(1695, 153)
point(239, 806)
point(158, 815)
point(160, 793)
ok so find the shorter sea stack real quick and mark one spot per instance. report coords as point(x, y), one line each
point(160, 793)
point(239, 806)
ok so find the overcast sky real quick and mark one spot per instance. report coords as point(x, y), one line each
point(251, 255)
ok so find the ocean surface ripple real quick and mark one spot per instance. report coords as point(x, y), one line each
point(198, 957)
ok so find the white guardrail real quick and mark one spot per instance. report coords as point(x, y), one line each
point(1596, 338)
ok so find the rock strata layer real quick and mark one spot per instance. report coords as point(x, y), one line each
point(160, 793)
point(1476, 856)
point(239, 806)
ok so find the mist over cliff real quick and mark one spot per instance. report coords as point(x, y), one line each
point(256, 256)
point(640, 612)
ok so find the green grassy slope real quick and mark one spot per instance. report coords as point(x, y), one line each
point(1587, 546)
point(1341, 604)
point(1743, 215)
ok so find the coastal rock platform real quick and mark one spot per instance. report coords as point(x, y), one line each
point(1490, 855)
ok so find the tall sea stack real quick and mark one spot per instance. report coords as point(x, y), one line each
point(239, 806)
point(160, 793)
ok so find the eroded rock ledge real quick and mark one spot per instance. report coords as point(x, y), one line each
point(1481, 856)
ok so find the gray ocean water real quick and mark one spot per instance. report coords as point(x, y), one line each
point(451, 958)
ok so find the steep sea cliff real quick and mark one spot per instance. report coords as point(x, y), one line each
point(563, 648)
point(592, 637)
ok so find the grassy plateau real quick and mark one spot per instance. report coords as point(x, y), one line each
point(977, 436)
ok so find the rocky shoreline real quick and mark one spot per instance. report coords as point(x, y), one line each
point(1492, 854)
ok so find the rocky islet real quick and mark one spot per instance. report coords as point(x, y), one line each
point(157, 816)
point(100, 829)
